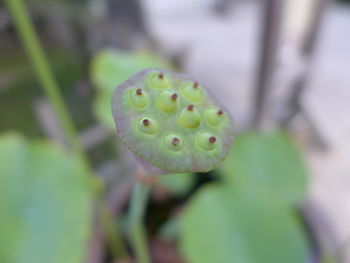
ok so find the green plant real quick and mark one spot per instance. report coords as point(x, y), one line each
point(171, 124)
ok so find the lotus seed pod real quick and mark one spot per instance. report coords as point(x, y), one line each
point(171, 122)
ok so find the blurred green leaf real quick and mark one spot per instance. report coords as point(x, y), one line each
point(45, 199)
point(111, 67)
point(177, 184)
point(240, 225)
point(170, 229)
point(269, 160)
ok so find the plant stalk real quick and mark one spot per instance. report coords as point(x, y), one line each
point(45, 76)
point(136, 216)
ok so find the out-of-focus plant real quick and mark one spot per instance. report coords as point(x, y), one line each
point(172, 125)
point(45, 203)
point(270, 161)
point(250, 215)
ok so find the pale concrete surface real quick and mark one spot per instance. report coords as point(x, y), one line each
point(222, 53)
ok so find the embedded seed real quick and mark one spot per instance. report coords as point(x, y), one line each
point(173, 142)
point(193, 92)
point(167, 101)
point(214, 117)
point(189, 117)
point(206, 141)
point(148, 126)
point(139, 98)
point(157, 80)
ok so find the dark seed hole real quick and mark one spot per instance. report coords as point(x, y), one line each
point(138, 91)
point(174, 96)
point(220, 112)
point(146, 122)
point(212, 139)
point(190, 107)
point(175, 141)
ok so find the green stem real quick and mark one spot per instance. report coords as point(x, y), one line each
point(136, 216)
point(43, 71)
point(117, 246)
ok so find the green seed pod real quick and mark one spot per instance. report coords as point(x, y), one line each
point(173, 142)
point(157, 80)
point(206, 141)
point(173, 126)
point(214, 117)
point(167, 101)
point(190, 117)
point(139, 98)
point(148, 126)
point(193, 92)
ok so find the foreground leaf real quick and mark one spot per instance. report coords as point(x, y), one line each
point(271, 161)
point(241, 226)
point(45, 202)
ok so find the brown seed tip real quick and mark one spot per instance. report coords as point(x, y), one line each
point(190, 107)
point(220, 112)
point(174, 96)
point(175, 141)
point(146, 122)
point(138, 91)
point(212, 139)
point(195, 84)
point(161, 75)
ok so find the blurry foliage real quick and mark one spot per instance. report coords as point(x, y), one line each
point(249, 217)
point(240, 224)
point(270, 161)
point(110, 68)
point(45, 201)
point(19, 87)
point(177, 184)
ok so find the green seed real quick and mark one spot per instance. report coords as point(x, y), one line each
point(206, 141)
point(193, 92)
point(173, 142)
point(214, 117)
point(148, 126)
point(139, 98)
point(167, 101)
point(157, 80)
point(190, 117)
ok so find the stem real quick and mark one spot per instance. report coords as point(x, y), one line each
point(117, 246)
point(136, 215)
point(43, 71)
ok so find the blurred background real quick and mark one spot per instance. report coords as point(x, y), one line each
point(275, 65)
